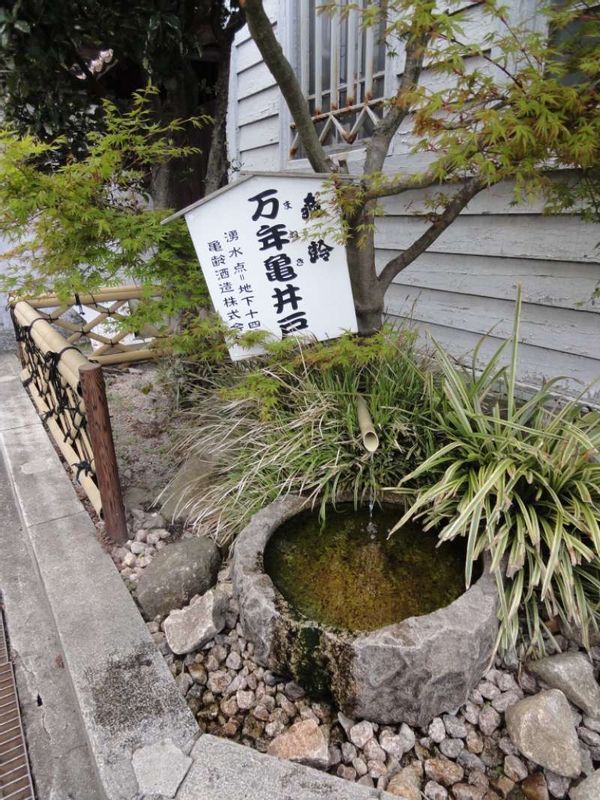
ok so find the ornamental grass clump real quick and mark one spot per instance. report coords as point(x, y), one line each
point(519, 481)
point(289, 425)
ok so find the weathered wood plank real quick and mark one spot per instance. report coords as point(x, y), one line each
point(248, 55)
point(266, 158)
point(258, 107)
point(520, 236)
point(557, 329)
point(254, 80)
point(560, 284)
point(498, 199)
point(259, 134)
point(535, 364)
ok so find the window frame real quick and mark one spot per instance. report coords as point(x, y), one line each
point(289, 17)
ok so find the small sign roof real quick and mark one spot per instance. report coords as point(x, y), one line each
point(246, 176)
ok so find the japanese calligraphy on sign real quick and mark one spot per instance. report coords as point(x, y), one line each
point(263, 273)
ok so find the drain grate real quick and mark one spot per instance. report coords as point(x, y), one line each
point(15, 778)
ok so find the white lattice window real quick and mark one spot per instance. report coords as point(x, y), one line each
point(342, 73)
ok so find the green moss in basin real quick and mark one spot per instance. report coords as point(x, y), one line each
point(349, 575)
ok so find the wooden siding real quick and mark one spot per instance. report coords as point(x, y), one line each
point(254, 122)
point(465, 285)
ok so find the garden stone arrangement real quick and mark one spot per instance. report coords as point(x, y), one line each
point(526, 730)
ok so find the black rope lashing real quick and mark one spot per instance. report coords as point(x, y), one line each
point(61, 400)
point(82, 466)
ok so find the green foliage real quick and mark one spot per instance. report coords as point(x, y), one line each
point(520, 103)
point(288, 423)
point(521, 482)
point(44, 47)
point(89, 223)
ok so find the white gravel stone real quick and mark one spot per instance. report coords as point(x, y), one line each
point(436, 730)
point(245, 699)
point(348, 752)
point(514, 768)
point(455, 727)
point(360, 734)
point(373, 751)
point(435, 791)
point(407, 734)
point(233, 661)
point(304, 743)
point(345, 722)
point(360, 765)
point(588, 789)
point(488, 690)
point(507, 683)
point(489, 720)
point(471, 713)
point(506, 700)
point(189, 628)
point(451, 747)
point(558, 786)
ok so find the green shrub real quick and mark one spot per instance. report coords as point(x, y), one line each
point(520, 481)
point(73, 226)
point(289, 425)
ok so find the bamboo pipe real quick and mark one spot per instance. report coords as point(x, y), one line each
point(46, 338)
point(365, 423)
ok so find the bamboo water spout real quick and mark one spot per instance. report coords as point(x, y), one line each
point(365, 423)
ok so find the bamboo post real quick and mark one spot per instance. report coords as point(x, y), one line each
point(105, 460)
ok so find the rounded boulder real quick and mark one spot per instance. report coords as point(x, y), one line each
point(180, 571)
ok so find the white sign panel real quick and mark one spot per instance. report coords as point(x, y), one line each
point(261, 271)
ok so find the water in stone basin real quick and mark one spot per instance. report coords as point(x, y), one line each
point(349, 575)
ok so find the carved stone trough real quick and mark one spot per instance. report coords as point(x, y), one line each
point(408, 672)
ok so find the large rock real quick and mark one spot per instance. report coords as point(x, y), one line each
point(304, 743)
point(193, 475)
point(407, 672)
point(588, 789)
point(188, 628)
point(176, 574)
point(573, 674)
point(541, 727)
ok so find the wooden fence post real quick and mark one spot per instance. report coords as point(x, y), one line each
point(105, 460)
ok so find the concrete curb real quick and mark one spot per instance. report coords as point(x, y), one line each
point(125, 693)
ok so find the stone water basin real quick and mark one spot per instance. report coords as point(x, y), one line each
point(383, 627)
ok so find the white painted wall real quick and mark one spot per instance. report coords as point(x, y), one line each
point(464, 286)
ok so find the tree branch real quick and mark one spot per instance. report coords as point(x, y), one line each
point(377, 148)
point(472, 187)
point(273, 56)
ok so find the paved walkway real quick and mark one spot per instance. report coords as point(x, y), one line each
point(61, 765)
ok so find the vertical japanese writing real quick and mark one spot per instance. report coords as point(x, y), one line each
point(278, 265)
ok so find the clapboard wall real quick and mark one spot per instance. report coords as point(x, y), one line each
point(465, 285)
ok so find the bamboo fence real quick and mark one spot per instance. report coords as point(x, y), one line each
point(67, 387)
point(109, 305)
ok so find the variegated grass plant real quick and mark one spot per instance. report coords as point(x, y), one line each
point(521, 482)
point(289, 425)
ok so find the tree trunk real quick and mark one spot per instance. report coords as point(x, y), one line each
point(178, 182)
point(366, 289)
point(218, 163)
